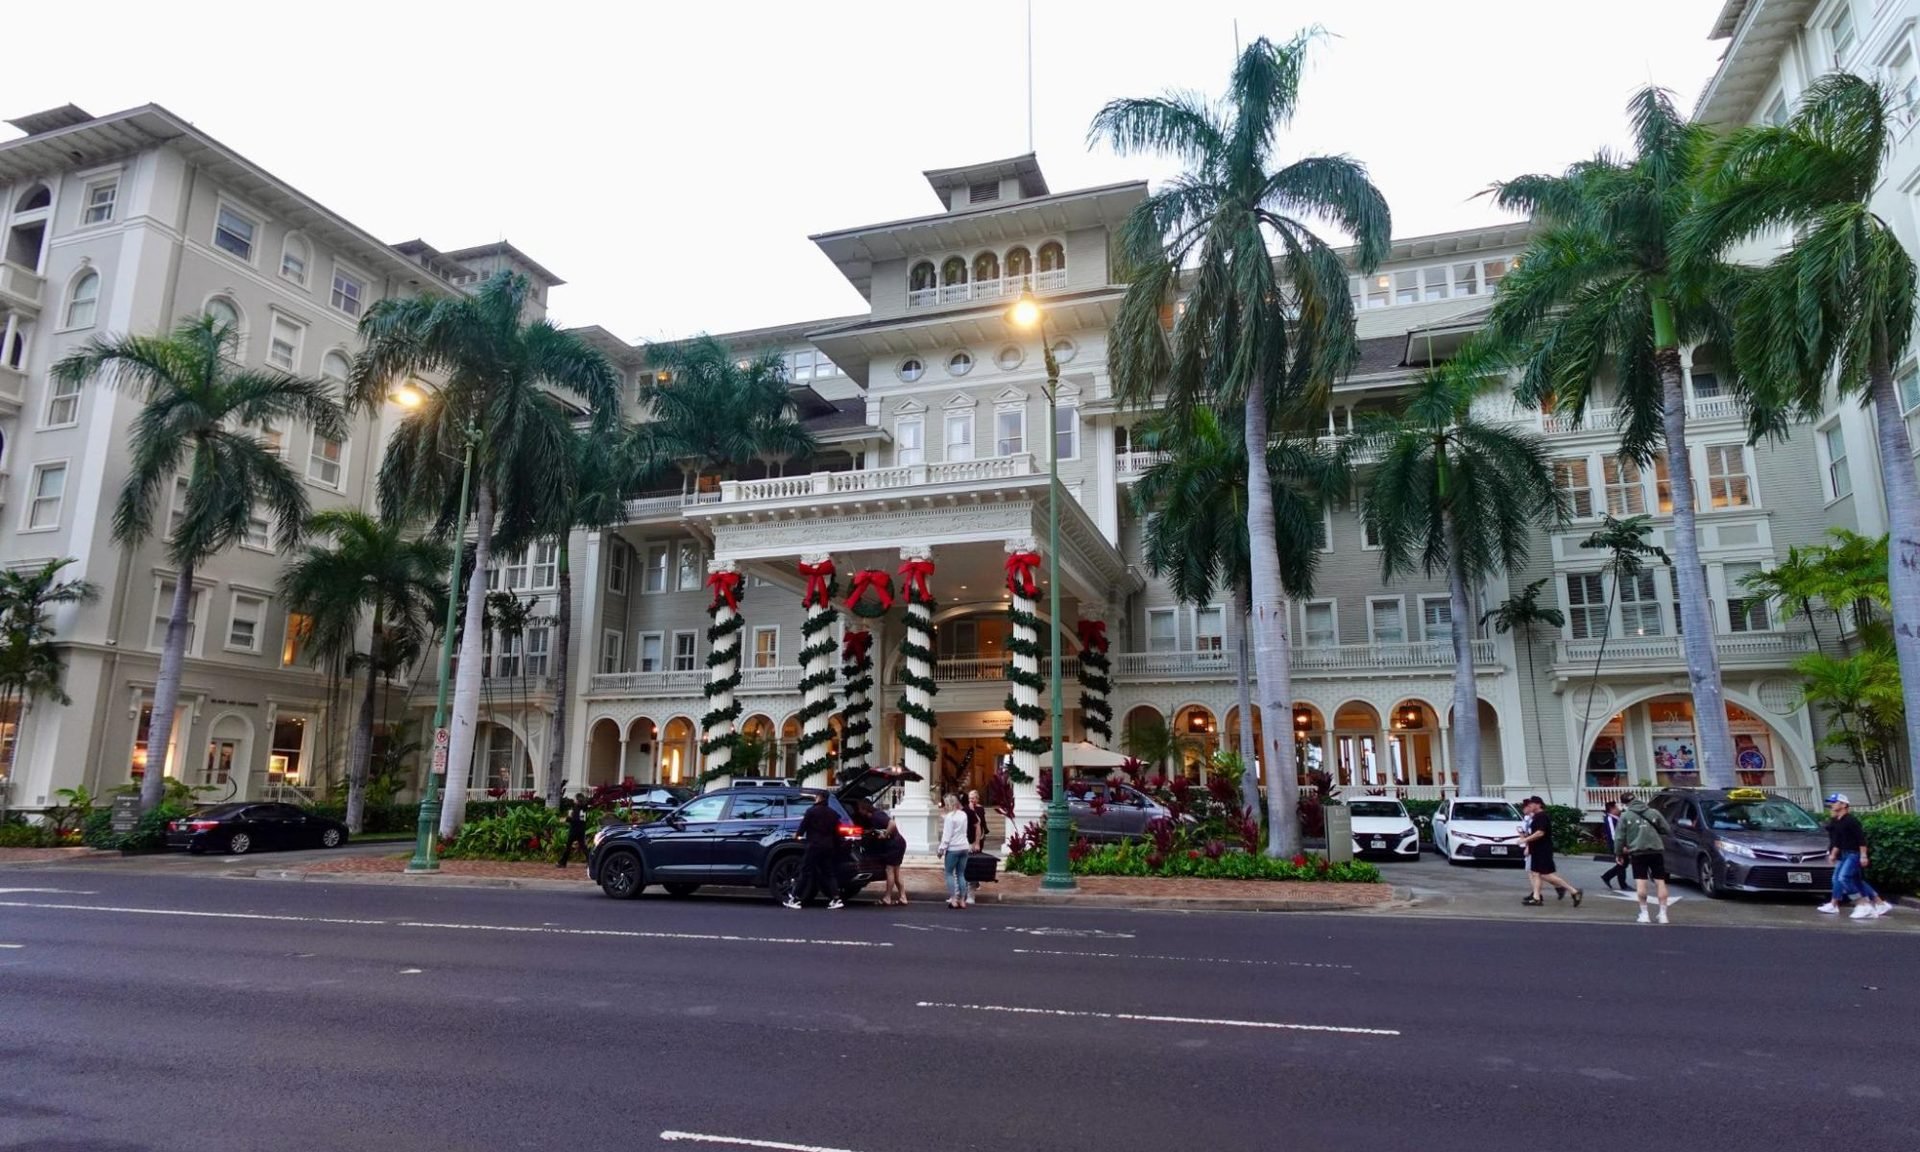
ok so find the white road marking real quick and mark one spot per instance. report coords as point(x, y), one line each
point(725, 938)
point(409, 971)
point(184, 912)
point(742, 1142)
point(1271, 1025)
point(1096, 933)
point(12, 945)
point(1181, 959)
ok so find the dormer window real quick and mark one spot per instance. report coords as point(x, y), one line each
point(983, 193)
point(1019, 264)
point(986, 266)
point(1053, 258)
point(954, 271)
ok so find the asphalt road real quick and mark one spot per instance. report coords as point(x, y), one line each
point(162, 1012)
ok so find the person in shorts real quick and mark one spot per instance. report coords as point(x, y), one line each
point(1537, 835)
point(1641, 838)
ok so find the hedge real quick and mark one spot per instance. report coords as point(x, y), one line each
point(1893, 851)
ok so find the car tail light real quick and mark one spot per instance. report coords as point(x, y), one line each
point(202, 825)
point(850, 831)
point(176, 825)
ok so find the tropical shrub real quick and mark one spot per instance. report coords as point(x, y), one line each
point(20, 834)
point(1893, 851)
point(1569, 828)
point(376, 817)
point(522, 832)
point(150, 835)
point(1211, 862)
point(1422, 812)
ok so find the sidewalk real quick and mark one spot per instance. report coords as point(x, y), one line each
point(923, 884)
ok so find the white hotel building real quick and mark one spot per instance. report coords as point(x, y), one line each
point(930, 414)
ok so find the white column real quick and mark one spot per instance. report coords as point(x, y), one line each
point(1027, 807)
point(916, 814)
point(723, 678)
point(816, 671)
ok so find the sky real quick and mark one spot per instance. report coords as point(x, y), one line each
point(669, 160)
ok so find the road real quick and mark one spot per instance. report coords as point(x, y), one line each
point(157, 1012)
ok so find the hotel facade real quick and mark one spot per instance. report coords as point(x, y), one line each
point(931, 415)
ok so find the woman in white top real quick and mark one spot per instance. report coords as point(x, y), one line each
point(954, 849)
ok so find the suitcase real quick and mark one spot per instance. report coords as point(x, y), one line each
point(983, 868)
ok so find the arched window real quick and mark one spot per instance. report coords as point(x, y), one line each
point(954, 271)
point(33, 198)
point(1053, 258)
point(334, 366)
point(227, 314)
point(83, 300)
point(986, 266)
point(296, 255)
point(921, 279)
point(1019, 263)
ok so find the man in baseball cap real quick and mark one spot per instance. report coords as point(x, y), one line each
point(1847, 850)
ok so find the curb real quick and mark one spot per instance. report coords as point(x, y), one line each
point(1026, 899)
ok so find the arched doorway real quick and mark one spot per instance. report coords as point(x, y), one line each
point(788, 764)
point(603, 753)
point(508, 767)
point(1230, 734)
point(764, 751)
point(229, 751)
point(1144, 735)
point(1199, 735)
point(1309, 741)
point(1414, 746)
point(643, 752)
point(1356, 745)
point(1492, 755)
point(679, 754)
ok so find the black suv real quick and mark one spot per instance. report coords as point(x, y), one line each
point(745, 836)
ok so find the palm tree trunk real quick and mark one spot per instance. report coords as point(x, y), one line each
point(561, 674)
point(1715, 754)
point(360, 752)
point(1903, 561)
point(1243, 681)
point(1272, 651)
point(1533, 696)
point(466, 680)
point(1466, 690)
point(166, 692)
point(1593, 681)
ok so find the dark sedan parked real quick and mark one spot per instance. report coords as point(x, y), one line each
point(241, 828)
point(1743, 840)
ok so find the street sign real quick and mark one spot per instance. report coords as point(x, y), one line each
point(440, 741)
point(126, 813)
point(441, 738)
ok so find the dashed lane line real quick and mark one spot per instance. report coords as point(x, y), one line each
point(1145, 1018)
point(673, 1137)
point(184, 912)
point(1182, 959)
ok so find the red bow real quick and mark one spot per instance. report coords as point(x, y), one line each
point(874, 579)
point(1093, 634)
point(855, 645)
point(913, 579)
point(726, 586)
point(819, 583)
point(1020, 566)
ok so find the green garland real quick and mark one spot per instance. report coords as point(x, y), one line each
point(1096, 690)
point(1019, 645)
point(917, 645)
point(816, 650)
point(857, 723)
point(717, 717)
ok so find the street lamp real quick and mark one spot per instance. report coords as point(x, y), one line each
point(427, 833)
point(1027, 313)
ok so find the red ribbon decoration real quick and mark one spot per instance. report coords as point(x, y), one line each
point(819, 583)
point(856, 644)
point(1020, 566)
point(726, 586)
point(875, 580)
point(913, 579)
point(1093, 634)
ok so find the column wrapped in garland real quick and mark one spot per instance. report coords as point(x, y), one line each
point(919, 689)
point(718, 731)
point(816, 665)
point(856, 723)
point(1023, 700)
point(1096, 682)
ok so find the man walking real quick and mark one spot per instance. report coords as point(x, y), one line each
point(1641, 838)
point(576, 833)
point(1618, 873)
point(1847, 850)
point(1537, 835)
point(820, 828)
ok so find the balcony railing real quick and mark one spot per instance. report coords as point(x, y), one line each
point(1308, 659)
point(13, 389)
point(18, 285)
point(1004, 288)
point(780, 678)
point(1133, 465)
point(879, 479)
point(1734, 648)
point(1602, 418)
point(976, 669)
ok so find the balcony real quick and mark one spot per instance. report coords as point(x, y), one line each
point(1004, 288)
point(13, 390)
point(19, 287)
point(985, 669)
point(1737, 649)
point(1133, 465)
point(753, 681)
point(854, 483)
point(1308, 660)
point(1597, 419)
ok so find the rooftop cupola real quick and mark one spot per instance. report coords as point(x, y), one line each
point(988, 185)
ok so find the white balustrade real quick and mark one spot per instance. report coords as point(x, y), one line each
point(1000, 288)
point(1733, 647)
point(1307, 659)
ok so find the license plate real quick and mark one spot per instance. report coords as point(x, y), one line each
point(1799, 877)
point(1377, 843)
point(1498, 849)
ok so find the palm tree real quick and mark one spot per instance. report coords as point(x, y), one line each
point(1606, 289)
point(365, 567)
point(1155, 742)
point(1267, 321)
point(1838, 304)
point(1628, 551)
point(1453, 494)
point(714, 413)
point(589, 493)
point(201, 414)
point(30, 663)
point(1194, 501)
point(502, 373)
point(1522, 612)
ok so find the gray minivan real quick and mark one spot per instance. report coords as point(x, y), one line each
point(1730, 840)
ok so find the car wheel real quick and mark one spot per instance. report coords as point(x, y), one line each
point(621, 875)
point(331, 838)
point(784, 876)
point(681, 889)
point(239, 844)
point(1709, 879)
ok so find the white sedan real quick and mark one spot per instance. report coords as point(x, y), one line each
point(1381, 827)
point(1477, 828)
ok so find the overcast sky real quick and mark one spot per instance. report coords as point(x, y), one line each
point(670, 160)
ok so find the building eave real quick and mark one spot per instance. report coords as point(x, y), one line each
point(1760, 31)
